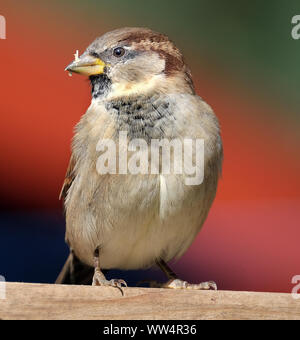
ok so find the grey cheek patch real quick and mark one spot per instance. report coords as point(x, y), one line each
point(131, 54)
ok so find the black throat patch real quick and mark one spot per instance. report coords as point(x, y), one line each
point(100, 85)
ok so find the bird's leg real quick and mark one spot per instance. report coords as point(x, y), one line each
point(175, 283)
point(166, 269)
point(100, 280)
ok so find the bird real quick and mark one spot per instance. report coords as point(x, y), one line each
point(142, 88)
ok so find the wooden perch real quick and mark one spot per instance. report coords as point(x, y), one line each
point(40, 301)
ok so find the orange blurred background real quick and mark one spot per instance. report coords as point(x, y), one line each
point(244, 63)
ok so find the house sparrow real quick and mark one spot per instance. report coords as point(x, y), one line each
point(141, 86)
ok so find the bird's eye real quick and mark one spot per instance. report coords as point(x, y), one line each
point(119, 52)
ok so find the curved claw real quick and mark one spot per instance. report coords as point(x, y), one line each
point(100, 281)
point(213, 285)
point(118, 284)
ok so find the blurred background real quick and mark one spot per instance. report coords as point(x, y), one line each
point(245, 65)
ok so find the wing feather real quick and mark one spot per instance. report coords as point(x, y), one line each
point(70, 175)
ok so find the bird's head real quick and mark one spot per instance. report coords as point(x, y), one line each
point(133, 61)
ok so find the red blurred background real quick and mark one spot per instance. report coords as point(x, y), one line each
point(250, 239)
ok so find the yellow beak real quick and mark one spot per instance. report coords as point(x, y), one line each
point(87, 66)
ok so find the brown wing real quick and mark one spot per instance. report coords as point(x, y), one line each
point(68, 180)
point(73, 271)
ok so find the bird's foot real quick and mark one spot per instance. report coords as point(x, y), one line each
point(99, 280)
point(180, 284)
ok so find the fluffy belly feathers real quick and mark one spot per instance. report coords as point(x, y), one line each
point(135, 229)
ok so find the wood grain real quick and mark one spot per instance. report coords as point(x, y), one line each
point(46, 301)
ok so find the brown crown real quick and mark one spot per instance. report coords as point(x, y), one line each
point(161, 44)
